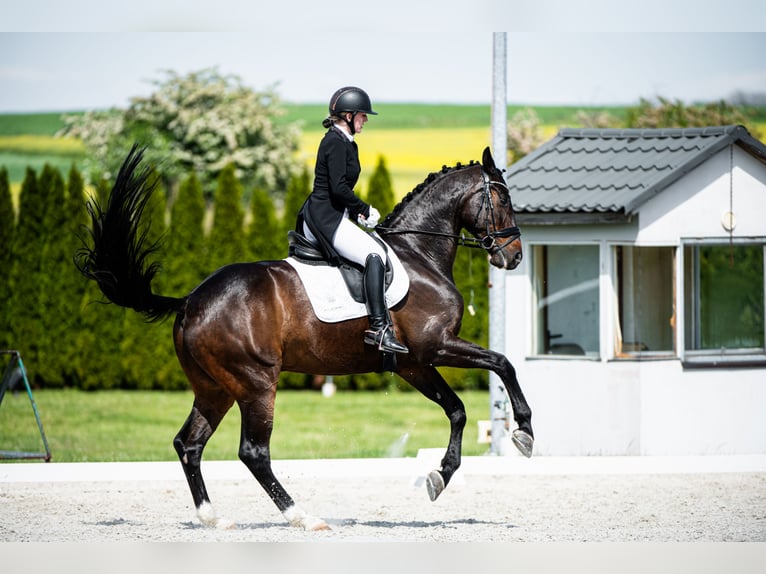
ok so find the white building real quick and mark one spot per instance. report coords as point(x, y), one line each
point(636, 319)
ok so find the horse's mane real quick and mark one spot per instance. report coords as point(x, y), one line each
point(433, 176)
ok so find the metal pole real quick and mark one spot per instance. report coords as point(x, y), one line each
point(498, 399)
point(5, 383)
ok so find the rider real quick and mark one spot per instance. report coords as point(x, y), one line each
point(327, 217)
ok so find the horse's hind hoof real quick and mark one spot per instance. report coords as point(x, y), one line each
point(434, 484)
point(523, 442)
point(317, 525)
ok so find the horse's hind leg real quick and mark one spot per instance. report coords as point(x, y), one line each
point(429, 382)
point(257, 424)
point(189, 444)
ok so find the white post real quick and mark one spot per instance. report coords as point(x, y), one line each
point(498, 399)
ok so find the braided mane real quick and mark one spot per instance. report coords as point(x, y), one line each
point(422, 186)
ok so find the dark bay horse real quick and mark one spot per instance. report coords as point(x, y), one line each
point(246, 322)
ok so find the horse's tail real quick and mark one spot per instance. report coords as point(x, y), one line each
point(117, 258)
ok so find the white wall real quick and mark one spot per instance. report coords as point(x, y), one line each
point(704, 411)
point(643, 408)
point(694, 205)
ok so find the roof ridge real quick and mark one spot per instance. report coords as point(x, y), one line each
point(648, 132)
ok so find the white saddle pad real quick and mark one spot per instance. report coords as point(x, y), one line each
point(329, 295)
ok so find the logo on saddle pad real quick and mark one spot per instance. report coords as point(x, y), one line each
point(336, 293)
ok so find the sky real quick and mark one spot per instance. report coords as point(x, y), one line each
point(77, 55)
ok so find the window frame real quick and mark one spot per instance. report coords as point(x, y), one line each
point(533, 303)
point(615, 328)
point(608, 293)
point(707, 358)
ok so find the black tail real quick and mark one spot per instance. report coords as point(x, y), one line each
point(118, 259)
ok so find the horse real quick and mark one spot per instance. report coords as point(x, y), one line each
point(245, 323)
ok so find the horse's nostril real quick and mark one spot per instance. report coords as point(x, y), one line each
point(517, 257)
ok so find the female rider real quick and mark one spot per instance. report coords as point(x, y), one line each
point(328, 215)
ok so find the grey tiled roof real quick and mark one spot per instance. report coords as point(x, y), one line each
point(614, 171)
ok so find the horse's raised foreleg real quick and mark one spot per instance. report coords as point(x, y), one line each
point(464, 354)
point(189, 444)
point(429, 382)
point(257, 424)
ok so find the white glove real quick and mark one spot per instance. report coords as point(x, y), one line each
point(372, 220)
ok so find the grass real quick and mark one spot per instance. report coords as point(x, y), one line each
point(140, 425)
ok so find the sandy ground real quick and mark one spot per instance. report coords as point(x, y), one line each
point(491, 499)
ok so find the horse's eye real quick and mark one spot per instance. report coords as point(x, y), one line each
point(503, 199)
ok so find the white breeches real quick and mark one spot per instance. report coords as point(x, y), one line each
point(351, 242)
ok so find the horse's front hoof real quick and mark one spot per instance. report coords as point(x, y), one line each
point(523, 442)
point(434, 484)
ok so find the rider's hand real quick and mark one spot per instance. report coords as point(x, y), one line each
point(374, 218)
point(371, 220)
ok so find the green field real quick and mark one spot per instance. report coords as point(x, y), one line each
point(140, 425)
point(18, 152)
point(447, 116)
point(414, 139)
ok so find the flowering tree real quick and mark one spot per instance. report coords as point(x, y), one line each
point(667, 113)
point(202, 121)
point(525, 134)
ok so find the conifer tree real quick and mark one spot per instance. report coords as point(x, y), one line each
point(264, 240)
point(7, 231)
point(26, 326)
point(380, 193)
point(183, 253)
point(98, 365)
point(298, 190)
point(147, 347)
point(470, 273)
point(56, 271)
point(71, 284)
point(226, 242)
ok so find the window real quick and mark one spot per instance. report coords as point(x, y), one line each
point(566, 300)
point(645, 301)
point(720, 321)
point(723, 299)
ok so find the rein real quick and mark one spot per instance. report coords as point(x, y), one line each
point(488, 242)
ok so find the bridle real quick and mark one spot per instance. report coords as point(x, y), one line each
point(488, 241)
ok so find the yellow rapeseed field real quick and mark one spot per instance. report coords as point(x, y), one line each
point(41, 144)
point(410, 154)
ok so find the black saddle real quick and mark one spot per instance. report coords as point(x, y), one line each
point(306, 252)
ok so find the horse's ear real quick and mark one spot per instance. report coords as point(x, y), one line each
point(487, 161)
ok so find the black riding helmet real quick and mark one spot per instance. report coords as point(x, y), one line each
point(350, 99)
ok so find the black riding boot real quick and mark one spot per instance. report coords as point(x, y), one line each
point(381, 331)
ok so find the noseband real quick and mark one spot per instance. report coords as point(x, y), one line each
point(488, 241)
